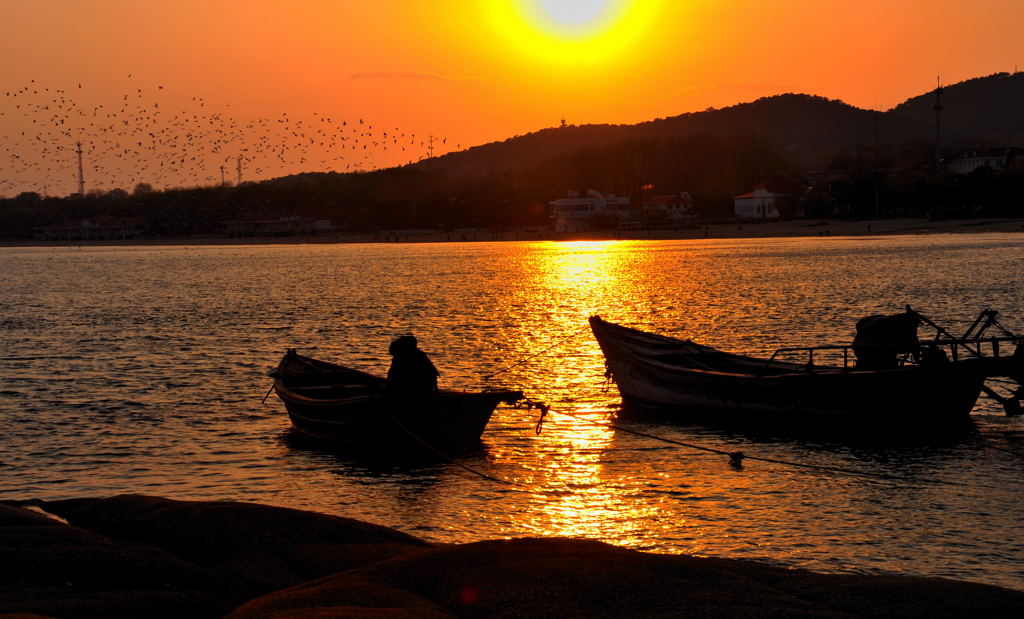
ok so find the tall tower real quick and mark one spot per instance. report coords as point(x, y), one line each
point(239, 164)
point(81, 175)
point(938, 124)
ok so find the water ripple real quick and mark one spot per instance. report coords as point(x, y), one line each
point(142, 370)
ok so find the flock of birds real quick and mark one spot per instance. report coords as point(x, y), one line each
point(138, 139)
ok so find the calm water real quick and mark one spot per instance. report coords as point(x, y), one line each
point(141, 369)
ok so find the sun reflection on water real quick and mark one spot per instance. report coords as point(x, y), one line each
point(573, 264)
point(576, 494)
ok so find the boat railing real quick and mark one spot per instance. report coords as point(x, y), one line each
point(810, 350)
point(974, 347)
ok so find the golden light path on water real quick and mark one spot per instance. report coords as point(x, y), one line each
point(577, 495)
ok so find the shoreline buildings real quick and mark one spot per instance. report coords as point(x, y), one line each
point(597, 211)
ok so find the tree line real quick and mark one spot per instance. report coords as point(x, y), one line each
point(713, 168)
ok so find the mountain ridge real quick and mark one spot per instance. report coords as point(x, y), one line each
point(979, 111)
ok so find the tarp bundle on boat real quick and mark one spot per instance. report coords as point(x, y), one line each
point(881, 339)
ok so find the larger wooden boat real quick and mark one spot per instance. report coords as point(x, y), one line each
point(350, 406)
point(661, 372)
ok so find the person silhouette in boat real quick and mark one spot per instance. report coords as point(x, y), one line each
point(412, 373)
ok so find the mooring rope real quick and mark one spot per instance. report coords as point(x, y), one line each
point(540, 352)
point(264, 400)
point(446, 457)
point(736, 457)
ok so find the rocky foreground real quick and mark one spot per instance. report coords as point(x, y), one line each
point(140, 556)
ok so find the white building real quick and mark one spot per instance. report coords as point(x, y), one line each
point(594, 211)
point(995, 158)
point(761, 202)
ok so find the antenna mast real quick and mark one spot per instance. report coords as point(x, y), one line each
point(81, 175)
point(430, 146)
point(222, 175)
point(938, 123)
point(239, 163)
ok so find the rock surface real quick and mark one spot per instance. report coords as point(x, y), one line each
point(138, 556)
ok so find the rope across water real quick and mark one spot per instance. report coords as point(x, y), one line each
point(540, 352)
point(736, 458)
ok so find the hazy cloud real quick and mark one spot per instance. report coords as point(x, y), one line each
point(737, 88)
point(408, 75)
point(733, 92)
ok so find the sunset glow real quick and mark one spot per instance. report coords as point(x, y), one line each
point(437, 76)
point(532, 308)
point(581, 32)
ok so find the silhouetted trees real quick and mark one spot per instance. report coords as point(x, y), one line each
point(711, 168)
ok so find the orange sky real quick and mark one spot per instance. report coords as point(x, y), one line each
point(473, 71)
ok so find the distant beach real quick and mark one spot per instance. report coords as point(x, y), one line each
point(716, 230)
point(817, 227)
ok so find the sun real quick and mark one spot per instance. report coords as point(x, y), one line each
point(572, 32)
point(574, 18)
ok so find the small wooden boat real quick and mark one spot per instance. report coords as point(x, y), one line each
point(331, 401)
point(660, 372)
